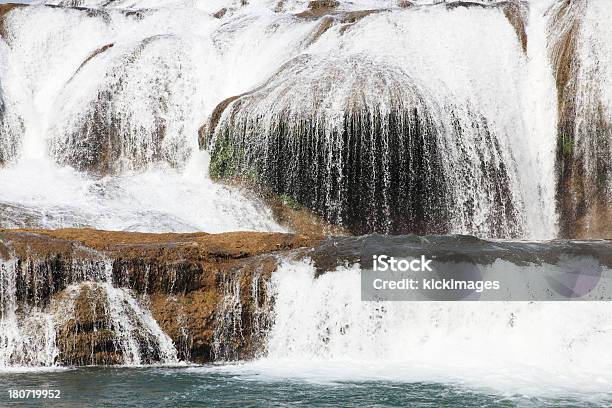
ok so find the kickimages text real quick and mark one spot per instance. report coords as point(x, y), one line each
point(385, 263)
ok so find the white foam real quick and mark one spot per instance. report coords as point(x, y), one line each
point(159, 200)
point(323, 333)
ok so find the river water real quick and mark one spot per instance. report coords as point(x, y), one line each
point(243, 386)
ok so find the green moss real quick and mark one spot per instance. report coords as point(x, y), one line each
point(252, 176)
point(223, 160)
point(290, 202)
point(567, 144)
point(225, 163)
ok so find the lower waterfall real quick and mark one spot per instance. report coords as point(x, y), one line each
point(29, 333)
point(323, 332)
point(27, 337)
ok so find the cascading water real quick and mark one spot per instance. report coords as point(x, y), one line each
point(38, 332)
point(11, 126)
point(579, 45)
point(322, 326)
point(243, 316)
point(384, 153)
point(136, 336)
point(89, 106)
point(123, 92)
point(403, 133)
point(101, 110)
point(27, 334)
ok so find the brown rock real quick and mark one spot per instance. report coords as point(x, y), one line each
point(583, 201)
point(220, 13)
point(4, 10)
point(187, 281)
point(405, 3)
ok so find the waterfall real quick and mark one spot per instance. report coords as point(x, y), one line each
point(134, 335)
point(11, 125)
point(27, 335)
point(322, 326)
point(581, 56)
point(243, 316)
point(392, 161)
point(422, 117)
point(381, 125)
point(102, 143)
point(39, 332)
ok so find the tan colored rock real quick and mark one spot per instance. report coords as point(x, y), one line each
point(583, 201)
point(185, 280)
point(4, 10)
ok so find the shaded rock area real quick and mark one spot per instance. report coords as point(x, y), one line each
point(584, 128)
point(206, 293)
point(378, 162)
point(339, 251)
point(107, 137)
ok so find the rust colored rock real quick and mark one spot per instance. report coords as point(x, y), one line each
point(4, 10)
point(86, 337)
point(405, 3)
point(186, 281)
point(516, 15)
point(583, 200)
point(220, 13)
point(319, 4)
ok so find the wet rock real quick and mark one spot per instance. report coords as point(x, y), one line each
point(584, 128)
point(127, 118)
point(364, 152)
point(220, 13)
point(516, 13)
point(207, 293)
point(86, 337)
point(5, 9)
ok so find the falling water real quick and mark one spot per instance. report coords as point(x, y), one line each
point(111, 101)
point(399, 132)
point(91, 106)
point(243, 316)
point(322, 326)
point(30, 329)
point(27, 334)
point(579, 48)
point(101, 111)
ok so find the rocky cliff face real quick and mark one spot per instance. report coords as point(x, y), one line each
point(584, 130)
point(394, 161)
point(119, 298)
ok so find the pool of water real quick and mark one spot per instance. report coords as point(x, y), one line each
point(221, 386)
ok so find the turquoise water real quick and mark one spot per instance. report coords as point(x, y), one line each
point(210, 386)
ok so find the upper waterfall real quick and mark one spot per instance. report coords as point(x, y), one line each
point(409, 116)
